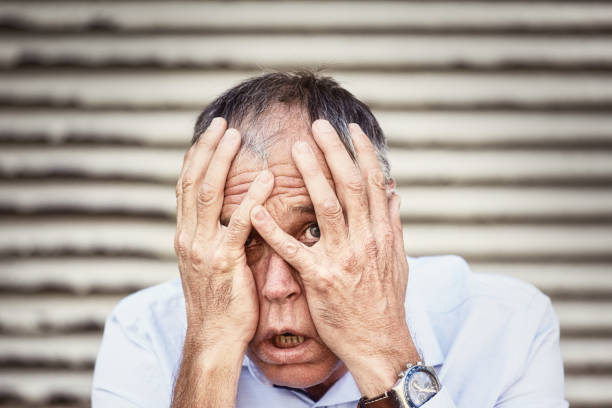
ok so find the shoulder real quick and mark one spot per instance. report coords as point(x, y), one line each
point(447, 282)
point(150, 309)
point(496, 307)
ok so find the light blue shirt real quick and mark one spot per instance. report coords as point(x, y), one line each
point(493, 340)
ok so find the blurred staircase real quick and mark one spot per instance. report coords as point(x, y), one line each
point(498, 115)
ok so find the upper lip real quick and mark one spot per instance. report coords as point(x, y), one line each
point(271, 333)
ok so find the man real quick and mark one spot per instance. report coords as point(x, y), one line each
point(295, 290)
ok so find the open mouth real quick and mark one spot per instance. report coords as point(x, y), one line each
point(287, 340)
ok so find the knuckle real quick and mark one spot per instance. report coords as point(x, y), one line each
point(219, 261)
point(207, 194)
point(370, 247)
point(349, 262)
point(181, 244)
point(196, 254)
point(240, 223)
point(187, 183)
point(204, 142)
point(290, 249)
point(324, 283)
point(354, 185)
point(179, 189)
point(387, 235)
point(377, 179)
point(331, 208)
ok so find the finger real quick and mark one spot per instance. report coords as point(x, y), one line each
point(239, 226)
point(347, 178)
point(198, 164)
point(290, 249)
point(398, 236)
point(396, 223)
point(179, 188)
point(326, 205)
point(210, 194)
point(178, 250)
point(372, 176)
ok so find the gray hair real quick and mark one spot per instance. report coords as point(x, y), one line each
point(250, 105)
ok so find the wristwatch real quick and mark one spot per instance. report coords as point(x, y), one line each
point(417, 384)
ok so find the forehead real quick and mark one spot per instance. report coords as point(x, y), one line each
point(288, 182)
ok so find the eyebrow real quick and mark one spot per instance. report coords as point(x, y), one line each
point(303, 209)
point(299, 209)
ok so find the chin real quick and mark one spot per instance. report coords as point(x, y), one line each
point(297, 375)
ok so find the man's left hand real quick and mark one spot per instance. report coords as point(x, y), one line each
point(355, 276)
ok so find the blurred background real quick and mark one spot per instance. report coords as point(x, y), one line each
point(498, 115)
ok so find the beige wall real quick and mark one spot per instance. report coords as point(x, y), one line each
point(498, 116)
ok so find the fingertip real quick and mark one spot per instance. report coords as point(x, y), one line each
point(258, 213)
point(265, 176)
point(354, 127)
point(322, 125)
point(301, 147)
point(395, 204)
point(217, 123)
point(232, 135)
point(360, 139)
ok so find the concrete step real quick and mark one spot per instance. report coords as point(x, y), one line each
point(402, 128)
point(414, 166)
point(340, 51)
point(469, 203)
point(118, 235)
point(194, 89)
point(300, 15)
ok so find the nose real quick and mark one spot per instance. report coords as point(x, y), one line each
point(280, 282)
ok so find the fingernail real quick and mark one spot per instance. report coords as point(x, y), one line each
point(354, 127)
point(264, 177)
point(216, 122)
point(302, 147)
point(323, 125)
point(259, 213)
point(231, 135)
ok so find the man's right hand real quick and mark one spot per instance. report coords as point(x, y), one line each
point(220, 293)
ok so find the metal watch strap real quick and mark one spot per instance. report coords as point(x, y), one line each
point(386, 400)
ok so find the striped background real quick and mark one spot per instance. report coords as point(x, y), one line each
point(497, 113)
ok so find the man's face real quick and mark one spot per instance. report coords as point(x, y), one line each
point(284, 360)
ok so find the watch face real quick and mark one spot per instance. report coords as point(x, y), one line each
point(420, 386)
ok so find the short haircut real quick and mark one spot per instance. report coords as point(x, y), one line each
point(319, 97)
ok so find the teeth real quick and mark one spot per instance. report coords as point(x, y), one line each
point(287, 340)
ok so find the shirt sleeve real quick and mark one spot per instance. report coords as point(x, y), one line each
point(128, 373)
point(541, 384)
point(440, 400)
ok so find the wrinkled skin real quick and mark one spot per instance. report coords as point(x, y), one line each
point(325, 258)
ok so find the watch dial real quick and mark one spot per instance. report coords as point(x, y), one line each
point(420, 387)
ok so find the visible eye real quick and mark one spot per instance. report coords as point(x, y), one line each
point(313, 234)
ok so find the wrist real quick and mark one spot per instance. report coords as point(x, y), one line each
point(377, 371)
point(214, 347)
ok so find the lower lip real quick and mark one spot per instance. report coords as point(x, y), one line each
point(271, 354)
